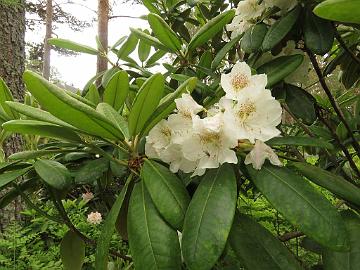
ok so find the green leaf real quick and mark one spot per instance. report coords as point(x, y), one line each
point(34, 127)
point(164, 33)
point(257, 248)
point(144, 49)
point(103, 242)
point(93, 95)
point(8, 177)
point(300, 141)
point(117, 90)
point(318, 33)
point(280, 29)
point(115, 117)
point(68, 109)
point(210, 29)
point(153, 243)
point(301, 103)
point(152, 41)
point(5, 95)
point(79, 98)
point(330, 181)
point(24, 155)
point(346, 260)
point(128, 47)
point(209, 218)
point(91, 171)
point(223, 51)
point(37, 114)
point(53, 173)
point(280, 68)
point(155, 57)
point(72, 46)
point(339, 10)
point(145, 103)
point(167, 192)
point(149, 5)
point(167, 104)
point(301, 205)
point(72, 251)
point(253, 38)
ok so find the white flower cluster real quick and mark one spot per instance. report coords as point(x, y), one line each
point(88, 196)
point(248, 13)
point(94, 218)
point(191, 143)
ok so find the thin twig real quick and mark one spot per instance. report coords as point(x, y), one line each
point(343, 45)
point(124, 16)
point(333, 102)
point(290, 235)
point(343, 148)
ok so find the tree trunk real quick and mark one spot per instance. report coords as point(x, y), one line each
point(12, 64)
point(48, 33)
point(103, 22)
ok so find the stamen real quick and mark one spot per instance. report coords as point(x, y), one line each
point(240, 81)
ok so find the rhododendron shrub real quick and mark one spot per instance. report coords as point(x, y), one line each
point(216, 102)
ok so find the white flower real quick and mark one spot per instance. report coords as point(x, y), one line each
point(187, 106)
point(209, 145)
point(88, 196)
point(240, 79)
point(158, 139)
point(94, 218)
point(254, 115)
point(250, 9)
point(238, 26)
point(259, 153)
point(173, 155)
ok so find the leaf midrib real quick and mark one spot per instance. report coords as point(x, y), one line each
point(203, 210)
point(299, 194)
point(168, 186)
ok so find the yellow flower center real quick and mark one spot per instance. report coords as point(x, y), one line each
point(186, 114)
point(166, 131)
point(246, 110)
point(210, 138)
point(240, 81)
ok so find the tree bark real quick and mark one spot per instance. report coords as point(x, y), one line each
point(12, 65)
point(103, 28)
point(48, 33)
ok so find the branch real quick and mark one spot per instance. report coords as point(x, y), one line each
point(124, 16)
point(343, 148)
point(290, 235)
point(343, 45)
point(333, 102)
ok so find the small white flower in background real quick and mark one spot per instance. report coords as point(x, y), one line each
point(240, 79)
point(94, 218)
point(254, 115)
point(209, 145)
point(259, 154)
point(88, 196)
